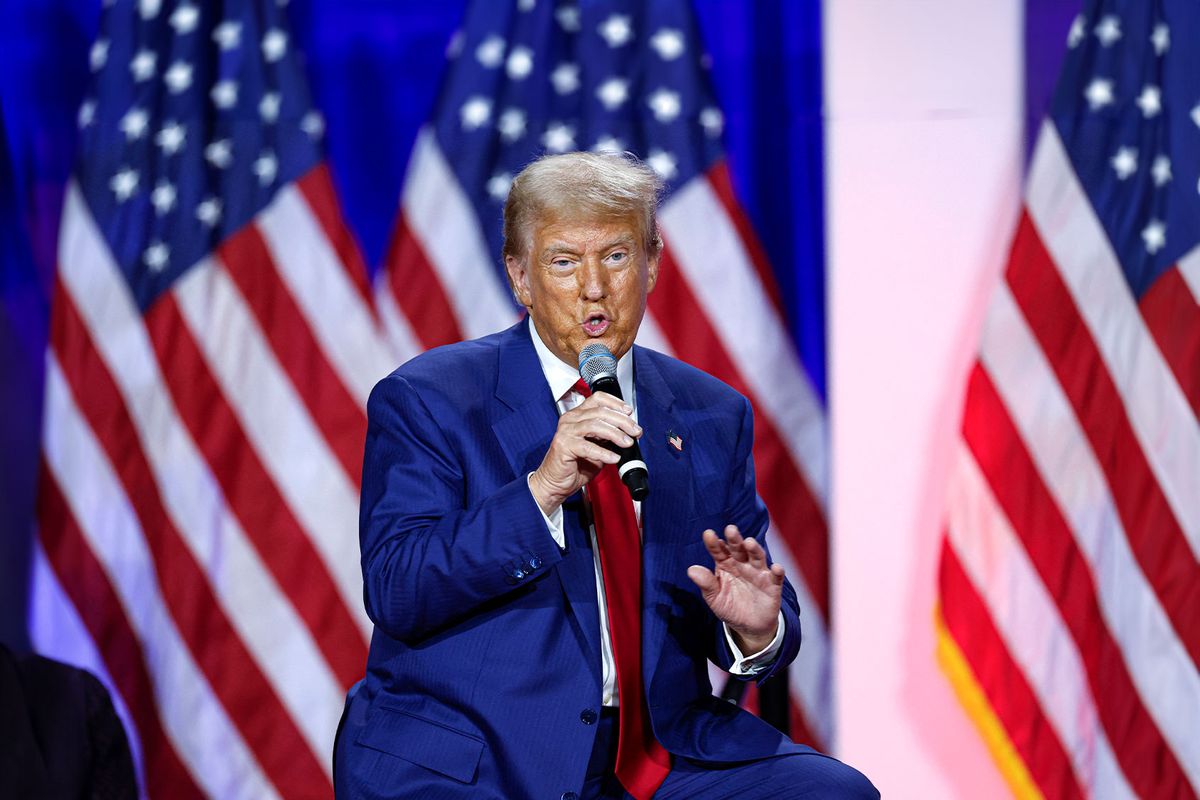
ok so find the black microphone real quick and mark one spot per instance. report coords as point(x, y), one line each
point(598, 368)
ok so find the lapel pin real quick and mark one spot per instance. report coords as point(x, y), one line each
point(676, 440)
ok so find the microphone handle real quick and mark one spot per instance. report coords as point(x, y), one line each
point(631, 467)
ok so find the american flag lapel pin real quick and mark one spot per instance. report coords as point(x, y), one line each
point(676, 440)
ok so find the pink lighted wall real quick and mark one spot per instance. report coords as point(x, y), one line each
point(924, 135)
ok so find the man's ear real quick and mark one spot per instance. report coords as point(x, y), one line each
point(651, 273)
point(518, 280)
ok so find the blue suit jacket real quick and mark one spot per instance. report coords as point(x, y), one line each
point(484, 668)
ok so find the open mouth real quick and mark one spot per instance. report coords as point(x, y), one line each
point(596, 324)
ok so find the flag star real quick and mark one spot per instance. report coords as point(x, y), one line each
point(228, 34)
point(526, 5)
point(98, 55)
point(1109, 30)
point(184, 19)
point(171, 137)
point(1154, 236)
point(669, 44)
point(498, 186)
point(143, 64)
point(1077, 32)
point(613, 92)
point(1150, 101)
point(559, 138)
point(219, 153)
point(1124, 163)
point(274, 44)
point(475, 112)
point(87, 113)
point(608, 144)
point(178, 77)
point(268, 107)
point(313, 124)
point(163, 198)
point(520, 63)
point(1099, 93)
point(565, 78)
point(225, 94)
point(134, 123)
point(616, 30)
point(1161, 38)
point(209, 211)
point(1161, 170)
point(490, 52)
point(568, 18)
point(156, 256)
point(511, 124)
point(149, 8)
point(124, 184)
point(266, 166)
point(663, 163)
point(665, 104)
point(713, 121)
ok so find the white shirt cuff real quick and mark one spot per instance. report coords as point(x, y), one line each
point(554, 521)
point(757, 662)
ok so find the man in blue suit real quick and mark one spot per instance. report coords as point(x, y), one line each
point(500, 664)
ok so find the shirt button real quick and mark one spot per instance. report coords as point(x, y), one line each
point(587, 716)
point(569, 796)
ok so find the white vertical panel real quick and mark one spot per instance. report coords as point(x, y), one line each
point(923, 137)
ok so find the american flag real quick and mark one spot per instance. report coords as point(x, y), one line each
point(1069, 581)
point(212, 345)
point(529, 77)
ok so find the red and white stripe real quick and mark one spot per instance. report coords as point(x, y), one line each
point(715, 307)
point(198, 512)
point(1070, 578)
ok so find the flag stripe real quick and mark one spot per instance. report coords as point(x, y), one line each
point(722, 186)
point(270, 526)
point(340, 417)
point(321, 198)
point(248, 697)
point(340, 320)
point(1153, 530)
point(1004, 682)
point(1006, 464)
point(1160, 666)
point(417, 289)
point(1156, 411)
point(779, 482)
point(1172, 316)
point(273, 420)
point(87, 585)
point(151, 589)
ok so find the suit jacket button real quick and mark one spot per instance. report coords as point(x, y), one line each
point(587, 716)
point(535, 562)
point(569, 796)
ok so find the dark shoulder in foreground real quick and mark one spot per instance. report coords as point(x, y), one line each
point(703, 390)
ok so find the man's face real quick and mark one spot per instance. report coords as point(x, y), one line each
point(584, 281)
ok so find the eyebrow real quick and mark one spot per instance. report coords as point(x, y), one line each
point(562, 247)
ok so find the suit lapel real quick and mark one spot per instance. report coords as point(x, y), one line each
point(524, 431)
point(666, 509)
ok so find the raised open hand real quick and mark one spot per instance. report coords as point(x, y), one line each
point(741, 589)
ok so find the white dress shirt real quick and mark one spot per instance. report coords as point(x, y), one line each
point(562, 378)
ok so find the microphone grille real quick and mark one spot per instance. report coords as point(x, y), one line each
point(596, 360)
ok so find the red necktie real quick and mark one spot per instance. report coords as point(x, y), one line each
point(642, 763)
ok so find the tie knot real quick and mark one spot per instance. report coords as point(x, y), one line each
point(582, 387)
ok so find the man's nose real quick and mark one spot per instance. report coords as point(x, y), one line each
point(593, 279)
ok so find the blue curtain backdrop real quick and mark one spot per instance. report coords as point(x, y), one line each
point(375, 67)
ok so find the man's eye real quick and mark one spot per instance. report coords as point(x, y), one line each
point(618, 257)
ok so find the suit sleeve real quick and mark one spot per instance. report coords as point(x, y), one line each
point(750, 515)
point(427, 560)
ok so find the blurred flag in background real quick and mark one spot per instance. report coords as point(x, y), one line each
point(1070, 581)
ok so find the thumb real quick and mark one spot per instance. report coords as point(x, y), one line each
point(703, 578)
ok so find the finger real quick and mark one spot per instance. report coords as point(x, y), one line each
point(778, 573)
point(757, 555)
point(596, 454)
point(716, 548)
point(605, 400)
point(614, 418)
point(614, 428)
point(705, 580)
point(737, 545)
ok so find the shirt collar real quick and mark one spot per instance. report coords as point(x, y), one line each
point(562, 376)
